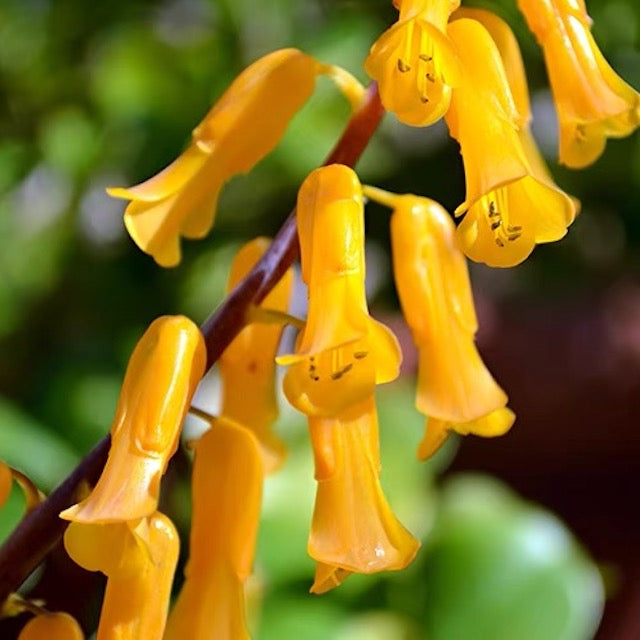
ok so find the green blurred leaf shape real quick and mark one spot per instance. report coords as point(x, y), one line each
point(30, 447)
point(497, 568)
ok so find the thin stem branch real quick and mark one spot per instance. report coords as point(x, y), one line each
point(40, 529)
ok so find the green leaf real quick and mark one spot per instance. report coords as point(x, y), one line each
point(35, 450)
point(497, 568)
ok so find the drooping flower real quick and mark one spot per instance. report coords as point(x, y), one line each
point(509, 208)
point(592, 101)
point(415, 63)
point(342, 353)
point(163, 372)
point(249, 361)
point(139, 559)
point(241, 129)
point(52, 626)
point(227, 490)
point(455, 389)
point(353, 527)
point(509, 50)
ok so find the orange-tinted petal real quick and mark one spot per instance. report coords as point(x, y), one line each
point(135, 604)
point(433, 284)
point(249, 361)
point(6, 482)
point(593, 102)
point(509, 207)
point(52, 626)
point(242, 127)
point(163, 373)
point(342, 352)
point(227, 489)
point(415, 63)
point(353, 527)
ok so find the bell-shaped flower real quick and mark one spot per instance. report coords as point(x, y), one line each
point(509, 50)
point(163, 372)
point(249, 361)
point(509, 207)
point(342, 353)
point(592, 101)
point(139, 559)
point(353, 527)
point(433, 284)
point(242, 128)
point(227, 490)
point(455, 389)
point(415, 63)
point(52, 626)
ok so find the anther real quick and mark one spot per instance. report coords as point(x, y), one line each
point(425, 58)
point(495, 225)
point(493, 212)
point(358, 355)
point(402, 67)
point(429, 77)
point(499, 242)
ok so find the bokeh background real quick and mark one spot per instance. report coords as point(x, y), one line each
point(106, 93)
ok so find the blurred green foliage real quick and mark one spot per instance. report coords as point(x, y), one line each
point(98, 94)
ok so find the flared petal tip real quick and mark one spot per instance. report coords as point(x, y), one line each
point(120, 192)
point(328, 577)
point(496, 423)
point(436, 434)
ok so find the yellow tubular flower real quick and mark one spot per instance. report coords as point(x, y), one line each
point(342, 353)
point(433, 284)
point(509, 50)
point(6, 482)
point(52, 626)
point(592, 101)
point(227, 490)
point(139, 560)
point(509, 208)
point(415, 63)
point(353, 528)
point(249, 361)
point(163, 373)
point(241, 129)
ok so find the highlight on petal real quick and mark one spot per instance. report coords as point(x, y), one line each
point(342, 353)
point(242, 128)
point(415, 64)
point(592, 101)
point(510, 206)
point(162, 375)
point(249, 361)
point(227, 490)
point(353, 527)
point(52, 626)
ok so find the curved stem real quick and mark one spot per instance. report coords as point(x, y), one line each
point(39, 531)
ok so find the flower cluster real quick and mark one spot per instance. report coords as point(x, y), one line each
point(438, 61)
